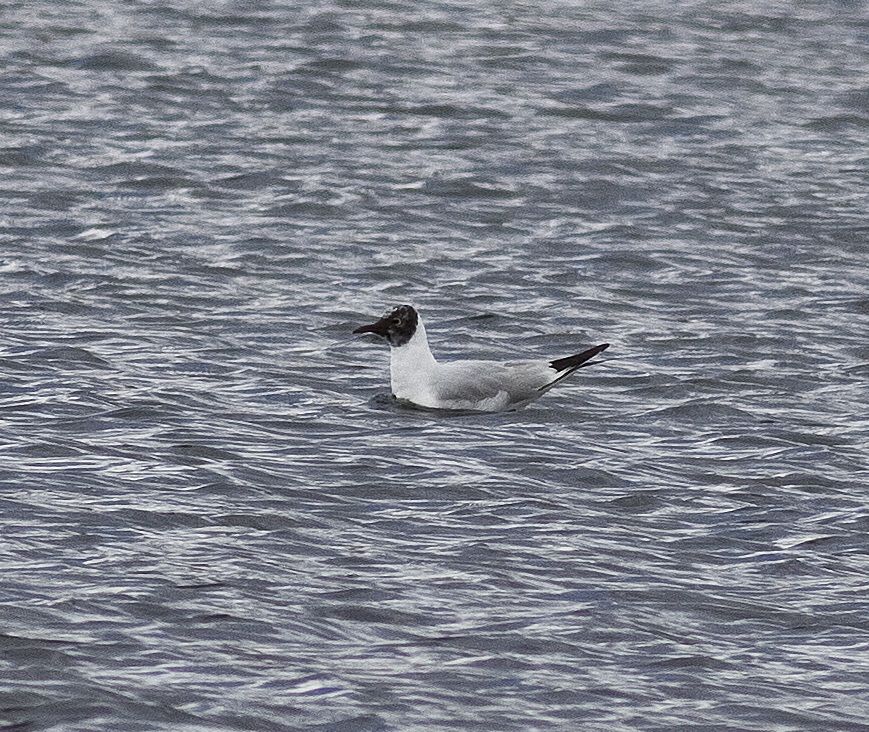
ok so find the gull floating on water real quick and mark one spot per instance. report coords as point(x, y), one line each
point(483, 386)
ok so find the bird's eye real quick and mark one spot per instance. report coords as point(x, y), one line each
point(396, 321)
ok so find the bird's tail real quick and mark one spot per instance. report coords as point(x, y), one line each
point(567, 365)
point(579, 360)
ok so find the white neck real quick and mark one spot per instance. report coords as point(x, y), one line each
point(411, 364)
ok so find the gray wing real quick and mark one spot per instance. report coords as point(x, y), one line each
point(468, 383)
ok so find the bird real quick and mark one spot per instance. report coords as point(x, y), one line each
point(419, 379)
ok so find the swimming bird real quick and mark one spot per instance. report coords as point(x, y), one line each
point(485, 386)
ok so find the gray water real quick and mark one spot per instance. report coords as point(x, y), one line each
point(214, 517)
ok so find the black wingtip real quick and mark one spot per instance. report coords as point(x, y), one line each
point(580, 359)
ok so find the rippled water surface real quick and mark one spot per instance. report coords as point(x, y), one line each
point(212, 514)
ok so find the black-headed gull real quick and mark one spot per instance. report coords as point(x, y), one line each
point(485, 386)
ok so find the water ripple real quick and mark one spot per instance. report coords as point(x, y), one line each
point(214, 515)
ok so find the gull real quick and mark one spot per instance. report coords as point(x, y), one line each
point(479, 386)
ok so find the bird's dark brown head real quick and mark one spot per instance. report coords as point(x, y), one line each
point(397, 326)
